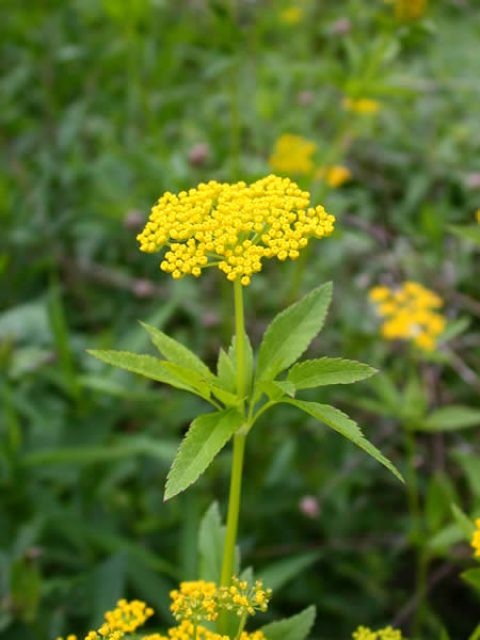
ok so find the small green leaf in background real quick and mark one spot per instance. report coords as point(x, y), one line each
point(472, 577)
point(291, 331)
point(207, 435)
point(107, 585)
point(476, 634)
point(295, 628)
point(210, 544)
point(277, 574)
point(25, 586)
point(467, 232)
point(340, 422)
point(464, 522)
point(326, 371)
point(451, 418)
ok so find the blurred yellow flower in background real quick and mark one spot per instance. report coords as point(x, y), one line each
point(292, 154)
point(409, 313)
point(292, 15)
point(334, 175)
point(364, 106)
point(476, 539)
point(410, 9)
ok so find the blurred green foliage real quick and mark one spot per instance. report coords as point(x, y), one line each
point(103, 106)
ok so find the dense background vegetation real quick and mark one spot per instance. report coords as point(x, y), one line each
point(103, 106)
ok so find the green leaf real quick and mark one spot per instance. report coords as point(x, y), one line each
point(467, 232)
point(451, 418)
point(144, 365)
point(276, 389)
point(207, 435)
point(340, 422)
point(472, 577)
point(176, 352)
point(248, 360)
point(290, 333)
point(464, 522)
point(279, 573)
point(210, 544)
point(294, 628)
point(325, 371)
point(476, 634)
point(226, 372)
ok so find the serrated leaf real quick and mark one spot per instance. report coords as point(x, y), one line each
point(210, 544)
point(291, 331)
point(345, 426)
point(326, 371)
point(295, 628)
point(144, 365)
point(276, 389)
point(207, 435)
point(176, 352)
point(451, 418)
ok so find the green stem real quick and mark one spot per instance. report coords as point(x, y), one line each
point(228, 563)
point(414, 507)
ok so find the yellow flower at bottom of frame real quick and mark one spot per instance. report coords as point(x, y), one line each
point(335, 175)
point(387, 633)
point(475, 542)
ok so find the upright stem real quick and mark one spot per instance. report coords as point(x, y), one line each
point(238, 445)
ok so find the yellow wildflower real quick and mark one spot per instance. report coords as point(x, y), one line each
point(410, 9)
point(387, 633)
point(195, 601)
point(186, 631)
point(233, 226)
point(477, 215)
point(126, 617)
point(409, 313)
point(364, 106)
point(291, 15)
point(243, 599)
point(293, 155)
point(334, 175)
point(476, 539)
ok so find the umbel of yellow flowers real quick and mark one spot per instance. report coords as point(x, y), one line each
point(193, 602)
point(410, 313)
point(233, 227)
point(387, 633)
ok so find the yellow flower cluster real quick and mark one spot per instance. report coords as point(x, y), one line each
point(195, 601)
point(292, 15)
point(233, 226)
point(293, 155)
point(125, 618)
point(334, 175)
point(409, 313)
point(186, 631)
point(387, 633)
point(243, 599)
point(364, 106)
point(410, 9)
point(476, 539)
